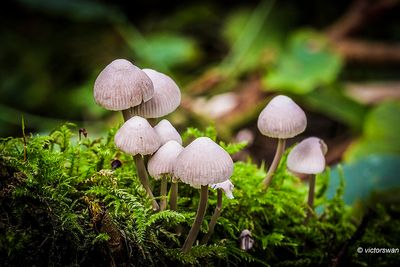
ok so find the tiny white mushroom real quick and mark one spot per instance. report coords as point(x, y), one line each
point(226, 186)
point(167, 132)
point(308, 157)
point(137, 137)
point(282, 118)
point(201, 163)
point(160, 165)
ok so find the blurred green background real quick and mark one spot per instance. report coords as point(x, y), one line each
point(340, 61)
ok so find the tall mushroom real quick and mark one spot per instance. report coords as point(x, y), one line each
point(308, 157)
point(282, 118)
point(121, 85)
point(166, 98)
point(136, 137)
point(160, 166)
point(226, 187)
point(167, 132)
point(201, 163)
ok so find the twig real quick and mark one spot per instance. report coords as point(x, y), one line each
point(365, 51)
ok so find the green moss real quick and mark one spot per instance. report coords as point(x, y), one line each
point(64, 205)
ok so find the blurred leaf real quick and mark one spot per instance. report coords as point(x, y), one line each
point(366, 175)
point(248, 37)
point(332, 102)
point(75, 9)
point(307, 63)
point(161, 51)
point(381, 132)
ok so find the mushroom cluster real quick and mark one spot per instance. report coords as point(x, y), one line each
point(148, 94)
point(139, 94)
point(142, 94)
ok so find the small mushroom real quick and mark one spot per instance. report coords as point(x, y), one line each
point(308, 157)
point(226, 187)
point(245, 240)
point(166, 99)
point(121, 85)
point(167, 132)
point(160, 166)
point(201, 163)
point(282, 118)
point(136, 137)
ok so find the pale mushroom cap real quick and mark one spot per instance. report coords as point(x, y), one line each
point(136, 136)
point(308, 156)
point(203, 162)
point(166, 99)
point(167, 132)
point(226, 186)
point(282, 118)
point(244, 233)
point(122, 85)
point(162, 162)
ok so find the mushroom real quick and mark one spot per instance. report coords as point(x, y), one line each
point(308, 157)
point(121, 85)
point(136, 137)
point(227, 187)
point(160, 166)
point(201, 163)
point(167, 132)
point(245, 239)
point(166, 99)
point(282, 118)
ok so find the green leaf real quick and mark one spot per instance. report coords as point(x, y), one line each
point(381, 129)
point(308, 63)
point(332, 102)
point(164, 51)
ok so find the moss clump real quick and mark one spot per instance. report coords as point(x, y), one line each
point(65, 205)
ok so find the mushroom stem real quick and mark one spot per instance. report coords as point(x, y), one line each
point(214, 218)
point(173, 202)
point(126, 113)
point(142, 173)
point(277, 158)
point(310, 201)
point(163, 193)
point(201, 210)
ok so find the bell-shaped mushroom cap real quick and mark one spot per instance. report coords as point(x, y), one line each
point(282, 118)
point(137, 136)
point(227, 186)
point(122, 85)
point(203, 162)
point(166, 99)
point(308, 156)
point(162, 162)
point(167, 132)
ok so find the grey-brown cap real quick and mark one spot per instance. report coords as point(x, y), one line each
point(122, 85)
point(166, 99)
point(203, 162)
point(167, 132)
point(136, 136)
point(282, 118)
point(308, 156)
point(162, 162)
